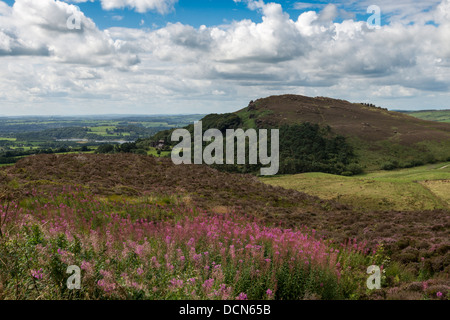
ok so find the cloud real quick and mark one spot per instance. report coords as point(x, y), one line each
point(307, 5)
point(141, 6)
point(190, 69)
point(40, 28)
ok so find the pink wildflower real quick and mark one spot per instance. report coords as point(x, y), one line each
point(241, 296)
point(38, 274)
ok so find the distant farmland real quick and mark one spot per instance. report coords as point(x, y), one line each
point(432, 115)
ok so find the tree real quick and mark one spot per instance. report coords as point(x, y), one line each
point(105, 148)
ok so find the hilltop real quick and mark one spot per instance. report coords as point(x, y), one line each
point(368, 123)
point(381, 138)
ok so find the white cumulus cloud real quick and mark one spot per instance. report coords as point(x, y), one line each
point(43, 64)
point(161, 6)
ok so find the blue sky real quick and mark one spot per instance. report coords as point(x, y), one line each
point(192, 12)
point(202, 56)
point(196, 13)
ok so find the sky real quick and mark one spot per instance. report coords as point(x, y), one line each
point(202, 56)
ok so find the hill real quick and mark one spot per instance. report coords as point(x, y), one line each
point(379, 136)
point(369, 123)
point(336, 136)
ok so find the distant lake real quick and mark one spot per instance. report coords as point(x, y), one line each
point(72, 140)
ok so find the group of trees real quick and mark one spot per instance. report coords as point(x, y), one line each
point(138, 147)
point(308, 147)
point(130, 132)
point(304, 147)
point(211, 121)
point(58, 133)
point(12, 156)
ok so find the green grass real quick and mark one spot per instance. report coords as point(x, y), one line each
point(21, 148)
point(373, 156)
point(421, 188)
point(154, 152)
point(156, 124)
point(78, 152)
point(102, 130)
point(6, 164)
point(438, 115)
point(247, 121)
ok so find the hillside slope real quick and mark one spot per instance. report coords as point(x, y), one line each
point(377, 134)
point(130, 175)
point(368, 123)
point(130, 179)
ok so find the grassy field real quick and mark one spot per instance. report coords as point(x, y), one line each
point(154, 152)
point(421, 188)
point(102, 130)
point(437, 115)
point(6, 164)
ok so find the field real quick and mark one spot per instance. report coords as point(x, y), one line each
point(140, 227)
point(421, 188)
point(434, 115)
point(154, 152)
